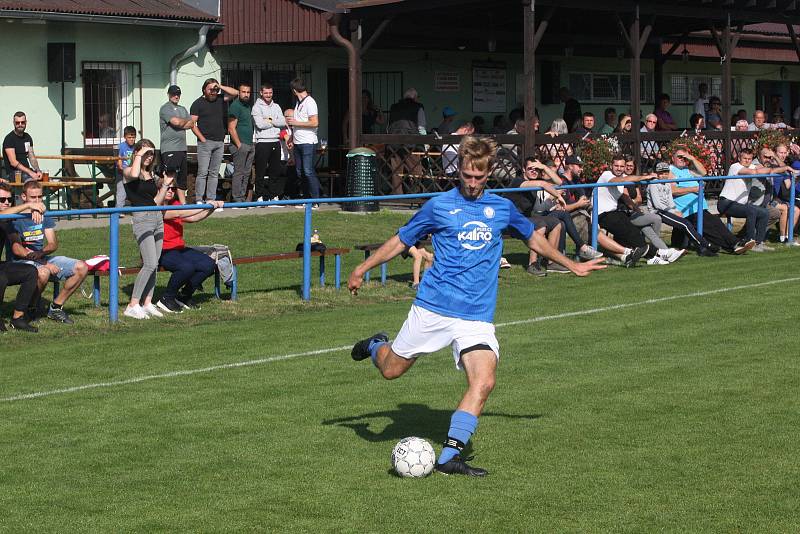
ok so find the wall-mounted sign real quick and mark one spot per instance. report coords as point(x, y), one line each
point(446, 81)
point(489, 88)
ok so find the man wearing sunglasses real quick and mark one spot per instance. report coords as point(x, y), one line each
point(210, 116)
point(18, 151)
point(17, 274)
point(34, 242)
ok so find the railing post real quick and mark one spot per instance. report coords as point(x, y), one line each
point(113, 273)
point(700, 198)
point(307, 252)
point(790, 220)
point(594, 217)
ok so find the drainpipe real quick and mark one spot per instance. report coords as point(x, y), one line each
point(353, 78)
point(173, 64)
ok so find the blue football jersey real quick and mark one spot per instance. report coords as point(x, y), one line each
point(467, 242)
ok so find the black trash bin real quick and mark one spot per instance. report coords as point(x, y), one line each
point(362, 179)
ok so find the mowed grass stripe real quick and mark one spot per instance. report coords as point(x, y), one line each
point(270, 359)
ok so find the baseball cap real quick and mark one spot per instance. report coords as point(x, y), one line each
point(572, 159)
point(662, 166)
point(173, 90)
point(447, 111)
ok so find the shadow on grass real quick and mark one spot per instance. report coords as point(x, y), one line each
point(408, 420)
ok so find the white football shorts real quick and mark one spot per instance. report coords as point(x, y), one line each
point(425, 332)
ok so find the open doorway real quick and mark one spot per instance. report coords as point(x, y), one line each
point(779, 98)
point(338, 101)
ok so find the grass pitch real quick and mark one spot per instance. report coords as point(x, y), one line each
point(677, 411)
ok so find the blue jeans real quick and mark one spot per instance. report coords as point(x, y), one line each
point(304, 159)
point(189, 268)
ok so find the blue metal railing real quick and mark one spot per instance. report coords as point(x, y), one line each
point(114, 213)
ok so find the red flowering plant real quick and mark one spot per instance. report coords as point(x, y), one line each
point(698, 146)
point(596, 155)
point(771, 139)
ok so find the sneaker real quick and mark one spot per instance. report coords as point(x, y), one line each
point(707, 252)
point(743, 246)
point(22, 324)
point(459, 466)
point(536, 269)
point(554, 267)
point(152, 311)
point(58, 314)
point(169, 305)
point(217, 210)
point(762, 247)
point(633, 257)
point(135, 312)
point(361, 349)
point(671, 254)
point(187, 302)
point(589, 253)
point(314, 207)
point(504, 263)
point(657, 260)
point(415, 287)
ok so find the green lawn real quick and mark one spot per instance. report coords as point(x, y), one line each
point(678, 414)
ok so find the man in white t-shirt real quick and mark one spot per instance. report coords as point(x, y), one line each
point(304, 134)
point(618, 222)
point(701, 104)
point(733, 200)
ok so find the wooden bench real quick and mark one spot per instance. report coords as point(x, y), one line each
point(335, 252)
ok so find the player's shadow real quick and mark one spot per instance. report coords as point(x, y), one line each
point(407, 420)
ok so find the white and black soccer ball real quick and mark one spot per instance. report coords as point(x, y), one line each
point(413, 457)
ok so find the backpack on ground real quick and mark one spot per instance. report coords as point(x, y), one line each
point(223, 259)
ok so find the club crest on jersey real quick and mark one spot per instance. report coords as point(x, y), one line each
point(476, 235)
point(488, 211)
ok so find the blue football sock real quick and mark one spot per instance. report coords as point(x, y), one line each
point(373, 347)
point(462, 426)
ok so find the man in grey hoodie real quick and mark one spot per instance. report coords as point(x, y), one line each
point(268, 121)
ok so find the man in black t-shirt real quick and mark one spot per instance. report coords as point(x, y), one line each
point(210, 116)
point(17, 274)
point(18, 151)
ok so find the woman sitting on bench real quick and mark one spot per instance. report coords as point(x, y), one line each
point(189, 267)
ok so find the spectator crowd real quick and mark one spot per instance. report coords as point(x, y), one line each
point(632, 215)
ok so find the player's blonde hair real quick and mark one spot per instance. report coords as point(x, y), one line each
point(477, 153)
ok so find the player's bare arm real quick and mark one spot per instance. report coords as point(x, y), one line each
point(539, 244)
point(388, 250)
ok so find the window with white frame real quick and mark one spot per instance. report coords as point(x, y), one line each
point(112, 97)
point(607, 87)
point(279, 75)
point(686, 88)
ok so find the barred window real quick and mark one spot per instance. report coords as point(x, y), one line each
point(686, 88)
point(112, 100)
point(386, 88)
point(279, 75)
point(607, 87)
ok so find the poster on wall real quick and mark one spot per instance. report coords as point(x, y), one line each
point(489, 88)
point(446, 81)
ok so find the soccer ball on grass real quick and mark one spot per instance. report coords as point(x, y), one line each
point(413, 457)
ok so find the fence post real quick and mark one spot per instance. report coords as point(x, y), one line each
point(113, 273)
point(700, 198)
point(307, 252)
point(594, 217)
point(790, 220)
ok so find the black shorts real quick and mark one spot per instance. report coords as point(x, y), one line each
point(177, 161)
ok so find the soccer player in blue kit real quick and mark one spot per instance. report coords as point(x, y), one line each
point(456, 300)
